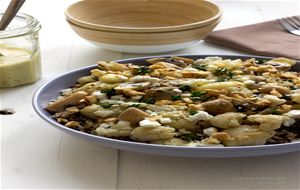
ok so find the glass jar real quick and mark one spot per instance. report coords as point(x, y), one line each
point(20, 57)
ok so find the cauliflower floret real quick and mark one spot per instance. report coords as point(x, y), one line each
point(138, 78)
point(99, 95)
point(144, 134)
point(179, 120)
point(201, 115)
point(210, 131)
point(149, 123)
point(227, 120)
point(165, 120)
point(296, 98)
point(274, 99)
point(207, 59)
point(95, 111)
point(230, 86)
point(268, 122)
point(113, 78)
point(233, 65)
point(246, 135)
point(293, 114)
point(120, 129)
point(193, 82)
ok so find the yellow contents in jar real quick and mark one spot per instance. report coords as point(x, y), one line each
point(18, 66)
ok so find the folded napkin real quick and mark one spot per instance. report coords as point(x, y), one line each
point(266, 38)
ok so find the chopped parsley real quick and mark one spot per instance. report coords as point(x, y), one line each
point(175, 98)
point(292, 88)
point(151, 100)
point(274, 112)
point(289, 80)
point(221, 71)
point(96, 78)
point(165, 90)
point(142, 70)
point(81, 117)
point(190, 136)
point(185, 88)
point(199, 96)
point(193, 112)
point(280, 70)
point(230, 74)
point(222, 79)
point(105, 105)
point(286, 96)
point(109, 93)
point(200, 67)
point(260, 61)
point(134, 105)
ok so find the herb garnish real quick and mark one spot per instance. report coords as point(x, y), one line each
point(222, 79)
point(165, 90)
point(274, 112)
point(175, 98)
point(289, 80)
point(286, 96)
point(134, 105)
point(221, 71)
point(200, 67)
point(292, 88)
point(185, 88)
point(151, 100)
point(105, 105)
point(142, 70)
point(260, 61)
point(199, 96)
point(193, 112)
point(96, 78)
point(190, 136)
point(109, 93)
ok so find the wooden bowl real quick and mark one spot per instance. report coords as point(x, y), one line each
point(143, 15)
point(151, 42)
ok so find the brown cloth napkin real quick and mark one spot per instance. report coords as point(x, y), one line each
point(266, 38)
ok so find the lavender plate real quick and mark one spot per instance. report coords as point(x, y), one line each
point(51, 90)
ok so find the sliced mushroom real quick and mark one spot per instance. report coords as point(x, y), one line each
point(218, 106)
point(133, 115)
point(166, 65)
point(60, 105)
point(133, 86)
point(162, 93)
point(244, 105)
point(156, 60)
point(186, 60)
point(266, 89)
point(279, 66)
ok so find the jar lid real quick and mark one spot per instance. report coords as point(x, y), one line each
point(22, 24)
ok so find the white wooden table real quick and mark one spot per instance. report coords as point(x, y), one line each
point(35, 155)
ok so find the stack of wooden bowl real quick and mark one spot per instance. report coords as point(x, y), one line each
point(143, 26)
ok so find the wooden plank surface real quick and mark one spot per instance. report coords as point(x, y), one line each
point(34, 155)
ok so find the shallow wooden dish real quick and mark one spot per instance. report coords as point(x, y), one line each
point(143, 16)
point(144, 39)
